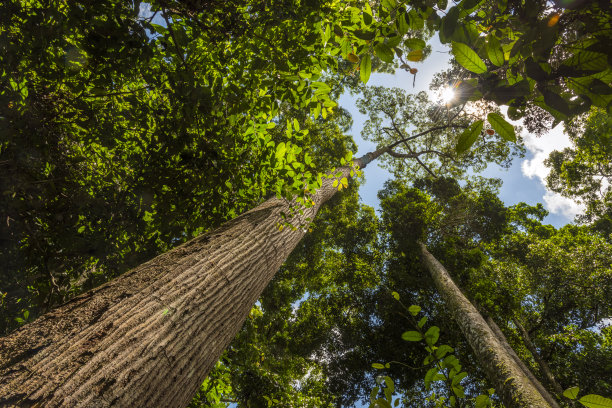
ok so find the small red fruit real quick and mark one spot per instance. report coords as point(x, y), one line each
point(413, 70)
point(490, 131)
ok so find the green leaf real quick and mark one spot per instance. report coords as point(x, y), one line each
point(449, 22)
point(589, 60)
point(571, 393)
point(384, 52)
point(412, 336)
point(443, 350)
point(429, 376)
point(494, 51)
point(422, 322)
point(395, 295)
point(469, 136)
point(378, 366)
point(382, 403)
point(468, 5)
point(365, 35)
point(403, 23)
point(595, 401)
point(555, 101)
point(374, 392)
point(280, 150)
point(503, 128)
point(414, 310)
point(457, 379)
point(81, 229)
point(432, 335)
point(415, 55)
point(365, 68)
point(321, 88)
point(482, 401)
point(389, 383)
point(467, 58)
point(415, 43)
point(534, 70)
point(458, 390)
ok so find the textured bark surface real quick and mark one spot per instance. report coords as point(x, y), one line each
point(150, 337)
point(510, 382)
point(536, 356)
point(536, 383)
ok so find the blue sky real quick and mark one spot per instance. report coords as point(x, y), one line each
point(523, 182)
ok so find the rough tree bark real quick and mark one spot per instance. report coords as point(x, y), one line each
point(150, 337)
point(536, 356)
point(504, 342)
point(510, 382)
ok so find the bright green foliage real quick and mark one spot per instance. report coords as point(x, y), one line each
point(444, 373)
point(123, 136)
point(535, 54)
point(502, 127)
point(432, 135)
point(128, 128)
point(590, 401)
point(469, 136)
point(584, 171)
point(509, 264)
point(467, 58)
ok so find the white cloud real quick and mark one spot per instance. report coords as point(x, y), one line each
point(541, 147)
point(145, 10)
point(557, 204)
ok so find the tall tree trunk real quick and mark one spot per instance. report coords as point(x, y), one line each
point(536, 356)
point(510, 382)
point(150, 337)
point(504, 342)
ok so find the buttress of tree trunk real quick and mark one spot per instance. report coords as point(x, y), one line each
point(149, 337)
point(536, 356)
point(510, 382)
point(504, 342)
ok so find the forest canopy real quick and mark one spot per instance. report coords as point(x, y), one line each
point(129, 128)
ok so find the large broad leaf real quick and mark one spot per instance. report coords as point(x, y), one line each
point(589, 60)
point(384, 52)
point(432, 335)
point(449, 23)
point(482, 401)
point(503, 128)
point(534, 70)
point(365, 68)
point(571, 393)
point(468, 59)
point(595, 401)
point(553, 100)
point(468, 137)
point(415, 55)
point(412, 336)
point(415, 43)
point(403, 23)
point(364, 35)
point(321, 88)
point(494, 51)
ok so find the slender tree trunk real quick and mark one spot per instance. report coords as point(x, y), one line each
point(504, 342)
point(510, 382)
point(536, 356)
point(150, 337)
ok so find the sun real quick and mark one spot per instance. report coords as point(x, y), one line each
point(447, 95)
